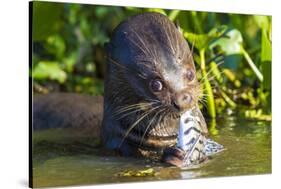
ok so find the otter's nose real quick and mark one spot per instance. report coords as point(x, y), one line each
point(182, 101)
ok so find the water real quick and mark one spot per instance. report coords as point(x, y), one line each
point(58, 161)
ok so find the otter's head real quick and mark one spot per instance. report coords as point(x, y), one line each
point(150, 68)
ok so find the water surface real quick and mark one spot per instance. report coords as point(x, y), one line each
point(60, 161)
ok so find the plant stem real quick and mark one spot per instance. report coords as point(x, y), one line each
point(196, 22)
point(207, 86)
point(252, 64)
point(228, 100)
point(173, 14)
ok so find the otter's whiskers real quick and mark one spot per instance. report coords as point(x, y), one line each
point(144, 115)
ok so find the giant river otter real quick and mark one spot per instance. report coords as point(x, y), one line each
point(150, 82)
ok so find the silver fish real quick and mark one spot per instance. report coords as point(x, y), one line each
point(197, 146)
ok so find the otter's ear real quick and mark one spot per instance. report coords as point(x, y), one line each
point(177, 24)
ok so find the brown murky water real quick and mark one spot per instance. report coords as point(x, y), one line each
point(60, 161)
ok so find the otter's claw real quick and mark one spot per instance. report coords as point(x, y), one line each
point(174, 156)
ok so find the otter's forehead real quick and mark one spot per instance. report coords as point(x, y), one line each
point(172, 72)
point(149, 37)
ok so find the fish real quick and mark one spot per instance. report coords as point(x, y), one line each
point(197, 146)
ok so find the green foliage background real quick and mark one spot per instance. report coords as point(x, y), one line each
point(232, 53)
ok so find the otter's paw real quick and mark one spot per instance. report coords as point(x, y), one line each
point(174, 156)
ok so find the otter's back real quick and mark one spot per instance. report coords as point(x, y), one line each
point(67, 110)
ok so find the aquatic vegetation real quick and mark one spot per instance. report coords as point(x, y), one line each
point(232, 53)
point(139, 173)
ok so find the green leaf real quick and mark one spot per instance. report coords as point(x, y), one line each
point(73, 13)
point(200, 41)
point(69, 62)
point(101, 12)
point(46, 19)
point(235, 35)
point(266, 56)
point(229, 43)
point(161, 11)
point(262, 21)
point(55, 45)
point(49, 70)
point(266, 71)
point(266, 49)
point(173, 14)
point(85, 28)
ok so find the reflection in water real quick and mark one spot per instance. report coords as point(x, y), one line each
point(247, 143)
point(212, 127)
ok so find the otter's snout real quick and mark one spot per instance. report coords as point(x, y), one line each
point(182, 101)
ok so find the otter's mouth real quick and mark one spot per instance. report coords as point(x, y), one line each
point(156, 139)
point(152, 141)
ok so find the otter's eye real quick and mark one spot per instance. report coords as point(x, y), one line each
point(156, 85)
point(190, 75)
